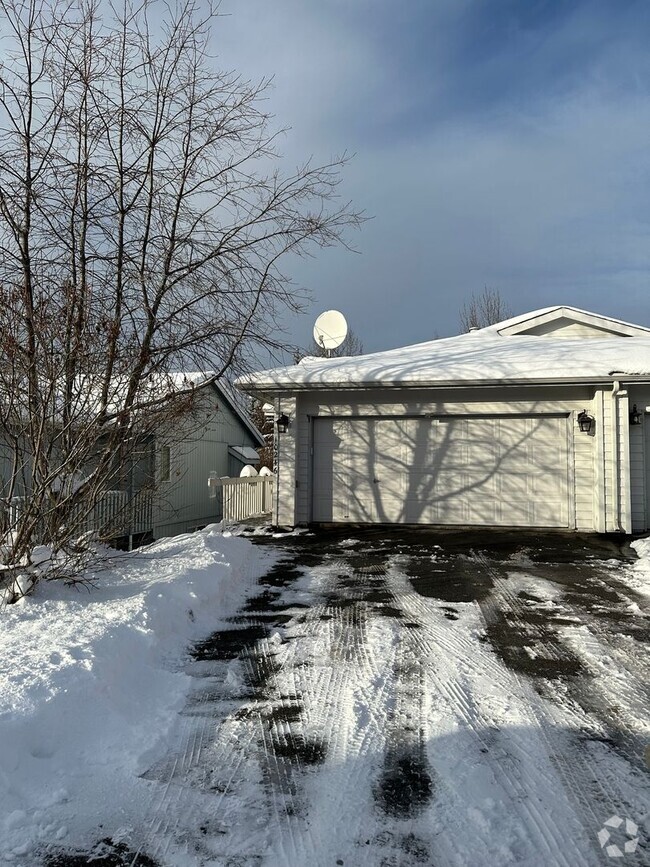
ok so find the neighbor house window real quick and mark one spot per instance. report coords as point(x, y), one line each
point(165, 464)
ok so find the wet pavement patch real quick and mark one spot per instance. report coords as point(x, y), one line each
point(283, 713)
point(405, 786)
point(537, 655)
point(454, 579)
point(264, 601)
point(105, 853)
point(228, 643)
point(305, 751)
point(388, 611)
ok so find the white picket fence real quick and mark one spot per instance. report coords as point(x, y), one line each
point(245, 498)
point(114, 514)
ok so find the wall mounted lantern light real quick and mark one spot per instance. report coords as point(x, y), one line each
point(585, 421)
point(635, 416)
point(282, 423)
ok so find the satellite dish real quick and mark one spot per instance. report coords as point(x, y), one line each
point(330, 329)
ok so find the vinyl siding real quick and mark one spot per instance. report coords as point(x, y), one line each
point(583, 476)
point(201, 446)
point(623, 467)
point(640, 462)
point(609, 472)
point(288, 482)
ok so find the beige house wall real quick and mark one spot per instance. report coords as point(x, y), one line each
point(287, 465)
point(591, 472)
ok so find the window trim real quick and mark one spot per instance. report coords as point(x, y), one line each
point(165, 463)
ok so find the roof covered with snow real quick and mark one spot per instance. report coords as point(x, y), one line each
point(481, 357)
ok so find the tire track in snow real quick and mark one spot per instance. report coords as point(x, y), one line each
point(481, 729)
point(595, 798)
point(229, 730)
point(352, 672)
point(356, 683)
point(599, 709)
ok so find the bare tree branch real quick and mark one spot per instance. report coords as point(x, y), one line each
point(482, 309)
point(145, 228)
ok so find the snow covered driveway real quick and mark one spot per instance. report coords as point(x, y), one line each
point(416, 698)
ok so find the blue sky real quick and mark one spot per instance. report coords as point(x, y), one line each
point(497, 142)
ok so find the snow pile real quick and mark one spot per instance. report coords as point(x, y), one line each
point(77, 667)
point(638, 576)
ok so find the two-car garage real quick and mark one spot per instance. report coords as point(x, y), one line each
point(542, 420)
point(499, 470)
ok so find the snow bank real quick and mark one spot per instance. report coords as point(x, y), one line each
point(77, 666)
point(638, 576)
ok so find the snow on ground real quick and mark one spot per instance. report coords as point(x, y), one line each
point(91, 680)
point(367, 701)
point(639, 576)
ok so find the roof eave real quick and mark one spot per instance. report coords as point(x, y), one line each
point(283, 388)
point(239, 413)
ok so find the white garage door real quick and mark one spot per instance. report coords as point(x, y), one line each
point(498, 471)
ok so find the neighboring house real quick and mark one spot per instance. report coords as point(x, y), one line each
point(219, 440)
point(216, 439)
point(479, 429)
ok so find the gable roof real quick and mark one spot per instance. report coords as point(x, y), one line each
point(491, 355)
point(607, 324)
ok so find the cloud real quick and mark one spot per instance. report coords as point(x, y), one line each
point(503, 144)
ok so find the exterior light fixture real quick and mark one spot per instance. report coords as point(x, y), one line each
point(635, 416)
point(282, 423)
point(585, 421)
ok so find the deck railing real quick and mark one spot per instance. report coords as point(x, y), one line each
point(244, 498)
point(113, 514)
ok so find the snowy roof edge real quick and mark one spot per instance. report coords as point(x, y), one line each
point(201, 378)
point(506, 325)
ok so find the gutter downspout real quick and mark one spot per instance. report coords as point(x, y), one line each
point(616, 449)
point(275, 519)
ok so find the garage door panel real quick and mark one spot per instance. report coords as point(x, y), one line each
point(513, 485)
point(496, 471)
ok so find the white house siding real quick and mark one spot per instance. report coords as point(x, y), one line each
point(640, 461)
point(584, 476)
point(287, 466)
point(617, 454)
point(623, 468)
point(610, 457)
point(184, 503)
point(581, 448)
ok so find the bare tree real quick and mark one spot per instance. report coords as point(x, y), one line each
point(352, 345)
point(482, 309)
point(263, 421)
point(143, 231)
